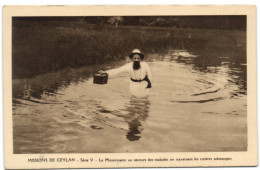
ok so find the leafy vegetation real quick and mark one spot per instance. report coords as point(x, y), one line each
point(44, 44)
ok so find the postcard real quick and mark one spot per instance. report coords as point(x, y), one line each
point(128, 86)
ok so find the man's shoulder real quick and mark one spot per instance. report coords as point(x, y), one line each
point(129, 64)
point(144, 63)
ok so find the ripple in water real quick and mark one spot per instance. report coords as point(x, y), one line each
point(187, 110)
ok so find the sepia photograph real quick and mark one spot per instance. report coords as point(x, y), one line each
point(139, 83)
point(129, 84)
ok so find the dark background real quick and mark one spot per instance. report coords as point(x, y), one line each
point(47, 44)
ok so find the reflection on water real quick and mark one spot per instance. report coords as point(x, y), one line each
point(212, 61)
point(138, 109)
point(197, 103)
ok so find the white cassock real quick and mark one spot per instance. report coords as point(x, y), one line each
point(136, 88)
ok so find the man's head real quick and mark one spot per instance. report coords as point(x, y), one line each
point(136, 51)
point(136, 57)
point(136, 61)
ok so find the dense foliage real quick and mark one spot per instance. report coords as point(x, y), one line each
point(43, 44)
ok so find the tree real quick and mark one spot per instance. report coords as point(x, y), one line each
point(115, 20)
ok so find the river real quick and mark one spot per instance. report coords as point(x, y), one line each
point(190, 108)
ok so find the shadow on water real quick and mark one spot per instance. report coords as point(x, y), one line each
point(138, 111)
point(200, 101)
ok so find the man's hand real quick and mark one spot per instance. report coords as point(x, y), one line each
point(102, 72)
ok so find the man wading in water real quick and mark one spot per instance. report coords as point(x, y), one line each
point(139, 72)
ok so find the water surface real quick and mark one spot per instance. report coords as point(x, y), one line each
point(195, 104)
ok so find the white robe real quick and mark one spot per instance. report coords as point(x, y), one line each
point(136, 88)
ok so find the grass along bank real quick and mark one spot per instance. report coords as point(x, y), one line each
point(45, 48)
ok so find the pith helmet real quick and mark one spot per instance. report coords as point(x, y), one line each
point(136, 51)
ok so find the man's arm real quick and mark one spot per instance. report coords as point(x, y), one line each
point(148, 72)
point(116, 71)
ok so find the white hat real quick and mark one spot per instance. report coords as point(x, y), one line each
point(136, 51)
